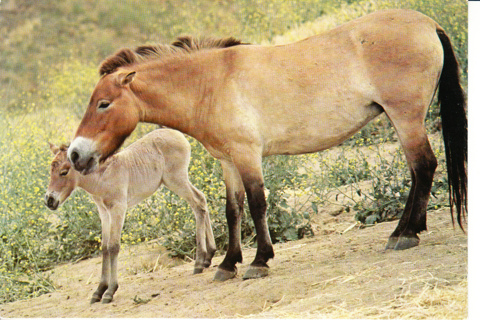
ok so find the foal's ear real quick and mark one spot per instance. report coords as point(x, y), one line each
point(54, 148)
point(125, 78)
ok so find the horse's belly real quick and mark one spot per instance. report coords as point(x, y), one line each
point(312, 134)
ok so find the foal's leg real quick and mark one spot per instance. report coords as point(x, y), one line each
point(422, 163)
point(117, 215)
point(103, 285)
point(211, 247)
point(177, 182)
point(234, 211)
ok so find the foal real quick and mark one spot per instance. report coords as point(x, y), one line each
point(160, 157)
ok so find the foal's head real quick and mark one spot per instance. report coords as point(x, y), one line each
point(63, 179)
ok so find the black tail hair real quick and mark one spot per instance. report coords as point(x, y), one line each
point(454, 124)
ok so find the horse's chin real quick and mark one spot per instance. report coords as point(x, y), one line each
point(90, 167)
point(86, 167)
point(83, 156)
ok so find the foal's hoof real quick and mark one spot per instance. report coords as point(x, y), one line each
point(254, 272)
point(222, 275)
point(198, 270)
point(407, 242)
point(107, 299)
point(95, 299)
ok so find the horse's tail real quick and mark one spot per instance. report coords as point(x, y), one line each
point(454, 125)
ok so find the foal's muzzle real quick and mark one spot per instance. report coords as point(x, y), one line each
point(51, 201)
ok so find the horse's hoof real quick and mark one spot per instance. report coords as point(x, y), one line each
point(197, 270)
point(392, 242)
point(254, 272)
point(95, 299)
point(222, 275)
point(407, 243)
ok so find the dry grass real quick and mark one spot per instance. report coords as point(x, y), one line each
point(332, 275)
point(438, 299)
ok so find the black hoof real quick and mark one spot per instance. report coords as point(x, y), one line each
point(392, 242)
point(254, 272)
point(407, 242)
point(222, 275)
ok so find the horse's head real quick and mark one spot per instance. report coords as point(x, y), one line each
point(111, 116)
point(63, 179)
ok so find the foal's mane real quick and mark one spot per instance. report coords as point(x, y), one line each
point(182, 45)
point(60, 156)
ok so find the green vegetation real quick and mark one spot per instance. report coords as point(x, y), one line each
point(49, 52)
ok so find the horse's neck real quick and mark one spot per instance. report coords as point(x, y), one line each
point(175, 95)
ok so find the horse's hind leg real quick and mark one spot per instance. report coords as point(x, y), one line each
point(422, 164)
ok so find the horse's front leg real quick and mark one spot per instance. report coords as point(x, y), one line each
point(249, 165)
point(234, 211)
point(258, 207)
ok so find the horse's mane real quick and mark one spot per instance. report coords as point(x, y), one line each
point(182, 45)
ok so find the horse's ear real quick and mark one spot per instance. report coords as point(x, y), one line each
point(125, 78)
point(54, 148)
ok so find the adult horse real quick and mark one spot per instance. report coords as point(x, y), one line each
point(245, 102)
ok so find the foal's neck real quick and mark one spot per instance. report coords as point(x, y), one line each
point(94, 182)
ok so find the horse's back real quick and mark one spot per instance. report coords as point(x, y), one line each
point(313, 94)
point(400, 50)
point(389, 42)
point(355, 53)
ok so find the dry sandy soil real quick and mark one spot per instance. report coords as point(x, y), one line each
point(343, 271)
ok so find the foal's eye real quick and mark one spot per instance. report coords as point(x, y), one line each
point(103, 104)
point(64, 172)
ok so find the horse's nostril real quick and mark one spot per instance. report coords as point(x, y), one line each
point(74, 157)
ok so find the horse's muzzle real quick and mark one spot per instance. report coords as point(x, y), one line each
point(82, 157)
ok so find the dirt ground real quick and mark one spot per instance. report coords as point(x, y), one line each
point(342, 272)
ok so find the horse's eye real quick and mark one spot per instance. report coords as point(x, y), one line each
point(64, 172)
point(103, 104)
